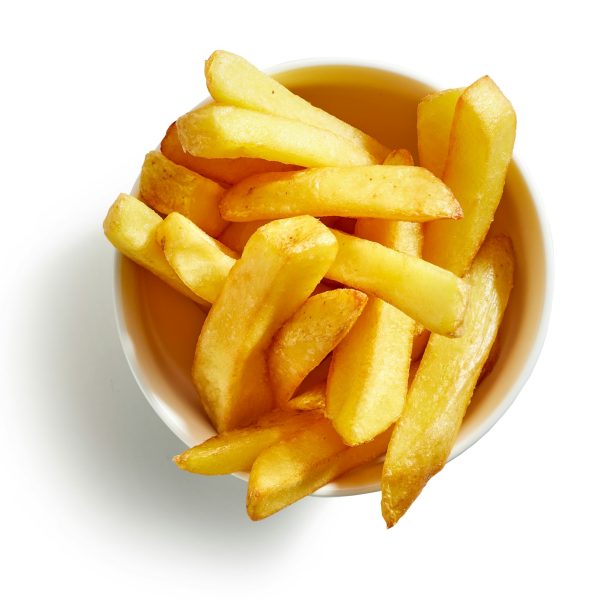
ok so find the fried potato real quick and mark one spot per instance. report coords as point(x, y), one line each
point(309, 336)
point(224, 170)
point(281, 265)
point(167, 187)
point(311, 399)
point(236, 235)
point(296, 467)
point(381, 191)
point(430, 295)
point(201, 262)
point(435, 114)
point(216, 131)
point(444, 383)
point(233, 80)
point(481, 144)
point(237, 450)
point(368, 378)
point(130, 227)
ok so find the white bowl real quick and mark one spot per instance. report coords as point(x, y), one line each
point(159, 328)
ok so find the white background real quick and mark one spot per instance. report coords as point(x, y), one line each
point(90, 505)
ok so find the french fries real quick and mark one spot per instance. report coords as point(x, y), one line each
point(430, 295)
point(131, 226)
point(282, 263)
point(381, 191)
point(217, 131)
point(224, 170)
point(236, 450)
point(233, 80)
point(299, 346)
point(272, 205)
point(167, 187)
point(443, 386)
point(201, 262)
point(368, 378)
point(435, 114)
point(481, 144)
point(296, 467)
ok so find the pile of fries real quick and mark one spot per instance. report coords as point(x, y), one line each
point(353, 298)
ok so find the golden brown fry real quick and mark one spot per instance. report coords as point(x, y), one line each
point(419, 344)
point(236, 450)
point(443, 386)
point(201, 262)
point(216, 131)
point(481, 144)
point(281, 265)
point(381, 191)
point(430, 295)
point(296, 467)
point(131, 226)
point(309, 336)
point(224, 170)
point(435, 114)
point(233, 80)
point(167, 187)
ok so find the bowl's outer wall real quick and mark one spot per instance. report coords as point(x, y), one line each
point(159, 328)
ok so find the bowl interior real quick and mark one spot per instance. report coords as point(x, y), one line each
point(159, 328)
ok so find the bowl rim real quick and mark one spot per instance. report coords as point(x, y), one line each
point(525, 371)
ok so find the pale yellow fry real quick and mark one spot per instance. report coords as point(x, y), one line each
point(168, 187)
point(233, 80)
point(237, 234)
point(131, 226)
point(225, 170)
point(430, 295)
point(481, 144)
point(281, 265)
point(311, 399)
point(216, 131)
point(309, 336)
point(236, 450)
point(296, 467)
point(381, 191)
point(435, 114)
point(200, 261)
point(444, 383)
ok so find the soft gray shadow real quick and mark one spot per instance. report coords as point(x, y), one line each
point(112, 450)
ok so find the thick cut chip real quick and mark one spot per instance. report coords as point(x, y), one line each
point(296, 467)
point(281, 265)
point(224, 170)
point(435, 114)
point(236, 450)
point(380, 191)
point(216, 131)
point(430, 295)
point(368, 378)
point(444, 383)
point(481, 144)
point(131, 226)
point(200, 261)
point(237, 234)
point(312, 399)
point(233, 80)
point(309, 336)
point(168, 187)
